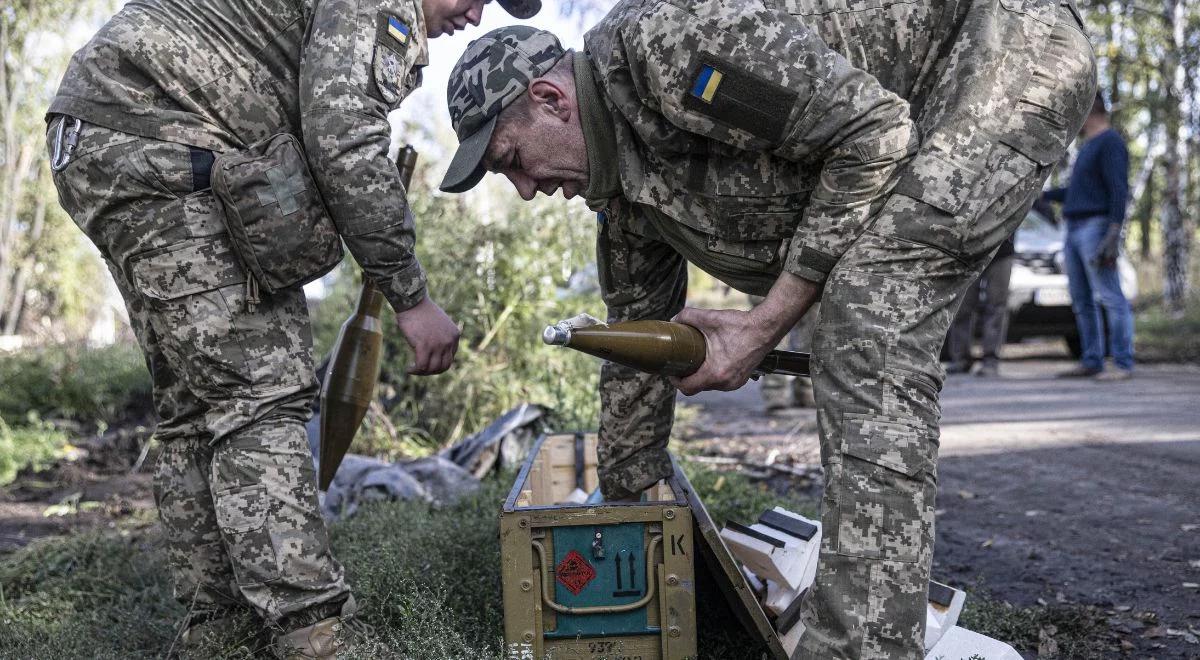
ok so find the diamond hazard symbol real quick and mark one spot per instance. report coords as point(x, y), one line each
point(574, 572)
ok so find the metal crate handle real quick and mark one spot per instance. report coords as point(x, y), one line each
point(548, 599)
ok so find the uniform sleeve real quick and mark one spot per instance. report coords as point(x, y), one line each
point(356, 64)
point(760, 80)
point(640, 278)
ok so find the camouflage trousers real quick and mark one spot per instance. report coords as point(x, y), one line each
point(884, 315)
point(233, 386)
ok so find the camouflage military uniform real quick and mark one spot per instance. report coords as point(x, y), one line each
point(882, 148)
point(997, 88)
point(161, 87)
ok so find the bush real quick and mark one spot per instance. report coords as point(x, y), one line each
point(1160, 337)
point(35, 445)
point(503, 278)
point(83, 384)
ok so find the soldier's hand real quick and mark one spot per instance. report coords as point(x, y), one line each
point(431, 334)
point(736, 344)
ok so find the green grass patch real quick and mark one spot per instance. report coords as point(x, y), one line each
point(87, 385)
point(1160, 337)
point(1060, 631)
point(35, 445)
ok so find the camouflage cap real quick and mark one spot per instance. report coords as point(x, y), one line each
point(521, 8)
point(495, 70)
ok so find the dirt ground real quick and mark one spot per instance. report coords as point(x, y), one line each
point(1051, 491)
point(99, 489)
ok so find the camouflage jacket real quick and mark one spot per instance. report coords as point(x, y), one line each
point(759, 136)
point(221, 75)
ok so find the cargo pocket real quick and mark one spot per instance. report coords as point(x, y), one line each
point(195, 294)
point(242, 516)
point(882, 499)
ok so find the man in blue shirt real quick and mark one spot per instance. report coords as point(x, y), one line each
point(1094, 208)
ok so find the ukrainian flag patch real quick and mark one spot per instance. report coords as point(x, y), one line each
point(705, 87)
point(398, 30)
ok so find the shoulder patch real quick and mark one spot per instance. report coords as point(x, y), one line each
point(739, 99)
point(705, 86)
point(393, 32)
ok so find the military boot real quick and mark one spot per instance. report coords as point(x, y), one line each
point(322, 639)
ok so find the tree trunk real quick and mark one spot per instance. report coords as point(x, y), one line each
point(1176, 239)
point(12, 320)
point(1145, 213)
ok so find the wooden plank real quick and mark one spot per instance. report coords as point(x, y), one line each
point(726, 571)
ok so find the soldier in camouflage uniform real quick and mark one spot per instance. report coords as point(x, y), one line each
point(165, 87)
point(879, 151)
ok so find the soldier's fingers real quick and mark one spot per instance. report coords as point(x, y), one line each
point(420, 363)
point(442, 362)
point(693, 384)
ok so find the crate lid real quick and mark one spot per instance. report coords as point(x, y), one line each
point(727, 574)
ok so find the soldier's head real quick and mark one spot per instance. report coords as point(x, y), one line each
point(513, 105)
point(447, 16)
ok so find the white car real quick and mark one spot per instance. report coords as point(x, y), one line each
point(1039, 302)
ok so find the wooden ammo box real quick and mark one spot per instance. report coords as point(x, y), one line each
point(608, 581)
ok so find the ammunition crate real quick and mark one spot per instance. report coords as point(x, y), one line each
point(603, 581)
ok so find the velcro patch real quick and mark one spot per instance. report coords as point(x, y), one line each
point(393, 32)
point(705, 87)
point(740, 99)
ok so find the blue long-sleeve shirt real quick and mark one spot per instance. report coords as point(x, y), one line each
point(1099, 180)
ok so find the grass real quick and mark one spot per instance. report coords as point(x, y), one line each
point(1061, 631)
point(34, 445)
point(1160, 337)
point(428, 581)
point(87, 385)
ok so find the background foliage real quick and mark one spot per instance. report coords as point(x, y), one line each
point(503, 276)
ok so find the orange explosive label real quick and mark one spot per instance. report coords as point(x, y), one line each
point(574, 572)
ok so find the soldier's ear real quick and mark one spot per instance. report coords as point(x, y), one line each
point(551, 97)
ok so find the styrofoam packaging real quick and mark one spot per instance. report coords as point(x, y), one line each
point(770, 559)
point(942, 612)
point(962, 644)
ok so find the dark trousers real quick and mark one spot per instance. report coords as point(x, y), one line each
point(987, 300)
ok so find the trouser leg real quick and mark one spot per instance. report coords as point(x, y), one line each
point(1083, 297)
point(886, 309)
point(876, 378)
point(253, 371)
point(961, 333)
point(202, 577)
point(995, 308)
point(265, 494)
point(235, 383)
point(1104, 285)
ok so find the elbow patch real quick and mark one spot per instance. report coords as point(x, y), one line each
point(738, 98)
